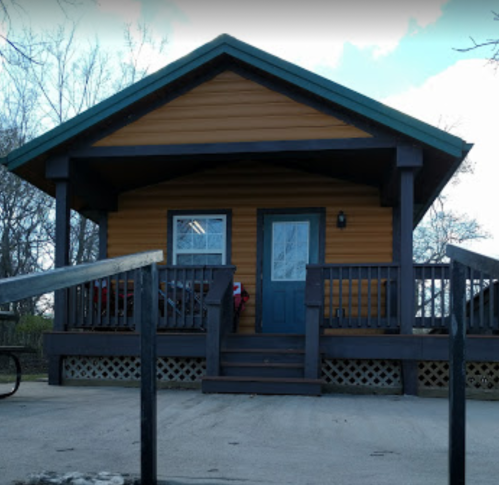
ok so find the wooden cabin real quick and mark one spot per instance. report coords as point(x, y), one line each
point(233, 161)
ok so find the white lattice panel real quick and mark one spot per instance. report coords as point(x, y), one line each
point(169, 369)
point(479, 375)
point(362, 373)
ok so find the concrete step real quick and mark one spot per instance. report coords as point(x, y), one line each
point(261, 385)
point(244, 369)
point(264, 356)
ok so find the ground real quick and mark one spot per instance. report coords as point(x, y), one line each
point(240, 439)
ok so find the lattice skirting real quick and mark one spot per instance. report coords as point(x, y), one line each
point(480, 376)
point(362, 375)
point(169, 369)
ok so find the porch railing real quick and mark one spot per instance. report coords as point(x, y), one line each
point(473, 306)
point(432, 290)
point(359, 295)
point(482, 301)
point(104, 303)
point(81, 276)
point(112, 303)
point(367, 296)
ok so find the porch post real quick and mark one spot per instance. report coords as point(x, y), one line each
point(102, 235)
point(408, 159)
point(58, 169)
point(314, 300)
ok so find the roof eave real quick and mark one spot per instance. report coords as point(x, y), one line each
point(256, 58)
point(466, 147)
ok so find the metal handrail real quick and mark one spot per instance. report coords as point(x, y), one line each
point(473, 260)
point(26, 286)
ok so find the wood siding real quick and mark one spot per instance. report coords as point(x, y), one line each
point(141, 222)
point(230, 108)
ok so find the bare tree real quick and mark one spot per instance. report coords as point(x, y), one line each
point(26, 219)
point(16, 49)
point(491, 44)
point(442, 226)
point(68, 77)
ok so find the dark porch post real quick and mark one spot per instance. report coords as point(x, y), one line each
point(314, 301)
point(408, 159)
point(58, 170)
point(102, 235)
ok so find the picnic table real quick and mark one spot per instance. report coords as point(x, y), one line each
point(11, 352)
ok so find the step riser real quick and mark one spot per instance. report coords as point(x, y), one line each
point(262, 342)
point(269, 388)
point(262, 372)
point(262, 358)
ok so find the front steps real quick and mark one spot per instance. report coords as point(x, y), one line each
point(262, 385)
point(263, 364)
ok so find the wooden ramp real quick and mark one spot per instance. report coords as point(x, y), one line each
point(263, 364)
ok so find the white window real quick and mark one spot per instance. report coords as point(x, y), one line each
point(199, 239)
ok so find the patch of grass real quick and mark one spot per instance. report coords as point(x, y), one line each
point(6, 379)
point(33, 377)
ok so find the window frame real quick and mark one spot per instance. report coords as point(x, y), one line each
point(174, 215)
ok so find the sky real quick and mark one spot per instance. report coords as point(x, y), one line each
point(400, 52)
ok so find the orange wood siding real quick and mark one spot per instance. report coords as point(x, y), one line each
point(140, 223)
point(230, 108)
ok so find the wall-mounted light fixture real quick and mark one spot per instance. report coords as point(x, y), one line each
point(341, 221)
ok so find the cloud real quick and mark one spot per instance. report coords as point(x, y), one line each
point(128, 10)
point(311, 33)
point(465, 97)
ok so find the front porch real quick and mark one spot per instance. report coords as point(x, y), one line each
point(351, 296)
point(353, 337)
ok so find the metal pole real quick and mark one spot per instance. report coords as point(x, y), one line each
point(148, 419)
point(457, 375)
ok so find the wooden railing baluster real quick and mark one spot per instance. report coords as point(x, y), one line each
point(331, 288)
point(350, 297)
point(481, 302)
point(359, 297)
point(444, 303)
point(388, 297)
point(491, 303)
point(471, 288)
point(369, 281)
point(116, 300)
point(340, 297)
point(433, 295)
point(378, 323)
point(91, 290)
point(108, 301)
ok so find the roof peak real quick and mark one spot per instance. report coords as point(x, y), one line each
point(255, 58)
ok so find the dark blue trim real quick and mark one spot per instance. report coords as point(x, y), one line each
point(409, 156)
point(103, 229)
point(228, 148)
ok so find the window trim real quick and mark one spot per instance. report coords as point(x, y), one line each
point(173, 214)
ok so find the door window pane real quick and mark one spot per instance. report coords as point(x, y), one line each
point(290, 242)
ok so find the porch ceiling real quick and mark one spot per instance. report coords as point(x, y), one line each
point(368, 167)
point(372, 166)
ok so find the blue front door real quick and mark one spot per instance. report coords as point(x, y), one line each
point(290, 242)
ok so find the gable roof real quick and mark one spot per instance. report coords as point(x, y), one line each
point(229, 46)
